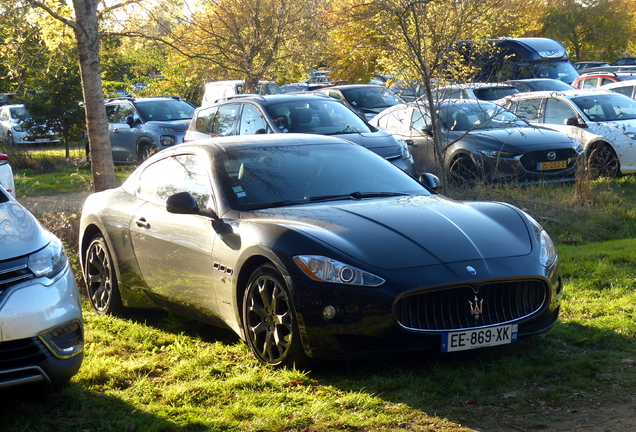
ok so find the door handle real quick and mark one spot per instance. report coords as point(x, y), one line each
point(143, 223)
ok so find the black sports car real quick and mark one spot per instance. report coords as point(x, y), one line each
point(314, 247)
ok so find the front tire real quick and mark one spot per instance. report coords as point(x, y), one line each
point(269, 320)
point(463, 172)
point(10, 140)
point(603, 162)
point(101, 279)
point(145, 151)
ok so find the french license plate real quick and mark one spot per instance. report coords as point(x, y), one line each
point(546, 166)
point(41, 140)
point(471, 339)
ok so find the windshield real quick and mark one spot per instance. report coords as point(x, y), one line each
point(320, 116)
point(257, 177)
point(458, 116)
point(607, 107)
point(19, 113)
point(561, 70)
point(372, 97)
point(165, 109)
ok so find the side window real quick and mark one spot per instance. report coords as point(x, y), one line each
point(182, 173)
point(420, 120)
point(556, 112)
point(627, 91)
point(111, 111)
point(398, 121)
point(204, 119)
point(527, 109)
point(588, 83)
point(606, 81)
point(124, 111)
point(453, 94)
point(252, 121)
point(223, 123)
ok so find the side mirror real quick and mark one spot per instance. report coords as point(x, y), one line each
point(428, 130)
point(573, 121)
point(184, 203)
point(130, 120)
point(430, 180)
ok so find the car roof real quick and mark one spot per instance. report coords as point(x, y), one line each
point(267, 99)
point(352, 86)
point(269, 140)
point(13, 106)
point(568, 94)
point(476, 85)
point(624, 83)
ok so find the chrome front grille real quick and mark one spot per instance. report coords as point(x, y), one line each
point(13, 271)
point(450, 309)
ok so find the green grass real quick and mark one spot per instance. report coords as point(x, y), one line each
point(152, 371)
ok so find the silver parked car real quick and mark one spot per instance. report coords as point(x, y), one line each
point(13, 127)
point(42, 337)
point(6, 175)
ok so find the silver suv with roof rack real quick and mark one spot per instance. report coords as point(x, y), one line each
point(139, 127)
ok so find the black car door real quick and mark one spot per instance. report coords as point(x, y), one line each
point(174, 251)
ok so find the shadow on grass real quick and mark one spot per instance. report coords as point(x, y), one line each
point(74, 408)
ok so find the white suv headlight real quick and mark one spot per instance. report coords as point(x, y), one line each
point(49, 260)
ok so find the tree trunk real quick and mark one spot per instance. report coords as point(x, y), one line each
point(87, 36)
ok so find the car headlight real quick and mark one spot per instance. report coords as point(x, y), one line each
point(495, 154)
point(167, 140)
point(325, 269)
point(548, 251)
point(18, 127)
point(48, 261)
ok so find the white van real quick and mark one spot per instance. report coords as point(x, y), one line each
point(217, 90)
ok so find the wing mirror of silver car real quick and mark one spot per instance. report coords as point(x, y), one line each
point(575, 121)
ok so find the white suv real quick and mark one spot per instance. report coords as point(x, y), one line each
point(42, 337)
point(603, 122)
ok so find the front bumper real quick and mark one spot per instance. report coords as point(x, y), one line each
point(390, 318)
point(41, 331)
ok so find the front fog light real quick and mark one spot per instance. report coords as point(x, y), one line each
point(65, 341)
point(331, 312)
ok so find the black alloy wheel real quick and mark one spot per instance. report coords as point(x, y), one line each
point(603, 162)
point(101, 280)
point(463, 172)
point(269, 320)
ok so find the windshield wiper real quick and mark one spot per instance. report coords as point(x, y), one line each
point(356, 196)
point(285, 203)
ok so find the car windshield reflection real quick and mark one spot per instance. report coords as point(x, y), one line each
point(607, 107)
point(256, 178)
point(465, 117)
point(322, 117)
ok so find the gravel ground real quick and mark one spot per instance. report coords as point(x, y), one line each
point(64, 202)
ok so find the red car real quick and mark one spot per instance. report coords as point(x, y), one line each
point(596, 79)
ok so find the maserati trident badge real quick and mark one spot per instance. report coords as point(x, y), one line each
point(476, 307)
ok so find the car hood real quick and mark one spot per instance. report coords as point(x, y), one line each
point(20, 233)
point(380, 142)
point(518, 139)
point(397, 233)
point(616, 126)
point(176, 125)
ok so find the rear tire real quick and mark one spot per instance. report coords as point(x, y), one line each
point(269, 320)
point(101, 278)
